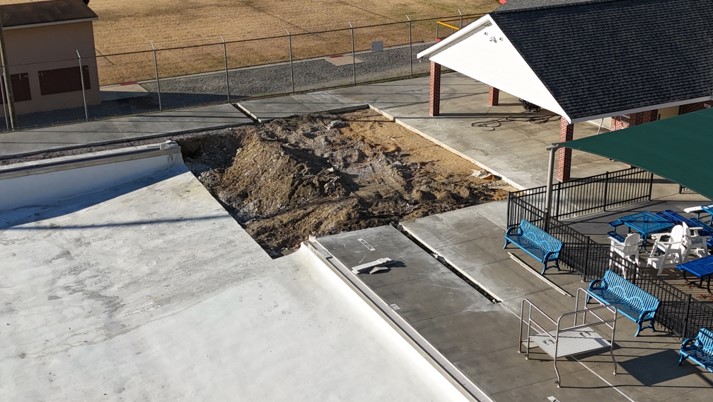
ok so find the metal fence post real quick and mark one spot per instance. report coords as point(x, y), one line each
point(688, 315)
point(410, 44)
point(158, 81)
point(606, 190)
point(587, 259)
point(9, 105)
point(651, 185)
point(4, 103)
point(351, 27)
point(292, 67)
point(508, 214)
point(227, 77)
point(81, 79)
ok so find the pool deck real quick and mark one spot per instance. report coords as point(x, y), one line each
point(480, 337)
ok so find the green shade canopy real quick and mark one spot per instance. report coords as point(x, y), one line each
point(679, 149)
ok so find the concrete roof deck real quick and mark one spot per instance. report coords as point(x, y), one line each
point(148, 289)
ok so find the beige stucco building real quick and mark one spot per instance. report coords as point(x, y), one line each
point(42, 40)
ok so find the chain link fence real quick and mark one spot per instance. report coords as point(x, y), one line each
point(159, 79)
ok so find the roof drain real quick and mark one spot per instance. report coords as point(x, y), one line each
point(445, 263)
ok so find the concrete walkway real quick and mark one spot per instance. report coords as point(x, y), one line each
point(18, 143)
point(477, 336)
point(504, 139)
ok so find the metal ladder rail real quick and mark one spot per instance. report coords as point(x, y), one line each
point(593, 310)
point(610, 323)
point(526, 309)
point(530, 323)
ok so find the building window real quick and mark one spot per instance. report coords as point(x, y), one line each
point(63, 80)
point(20, 88)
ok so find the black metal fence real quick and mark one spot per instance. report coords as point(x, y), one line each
point(592, 194)
point(580, 252)
point(680, 312)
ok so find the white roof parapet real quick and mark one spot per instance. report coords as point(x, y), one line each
point(50, 180)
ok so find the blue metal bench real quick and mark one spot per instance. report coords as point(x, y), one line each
point(675, 217)
point(630, 300)
point(534, 241)
point(699, 349)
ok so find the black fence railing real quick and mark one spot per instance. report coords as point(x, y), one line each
point(592, 194)
point(680, 312)
point(579, 253)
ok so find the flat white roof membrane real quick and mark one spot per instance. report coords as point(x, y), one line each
point(148, 289)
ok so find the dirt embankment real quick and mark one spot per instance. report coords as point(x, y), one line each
point(324, 174)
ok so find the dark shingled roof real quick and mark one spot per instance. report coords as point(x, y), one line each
point(44, 12)
point(523, 4)
point(610, 56)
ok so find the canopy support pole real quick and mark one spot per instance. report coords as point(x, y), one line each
point(550, 179)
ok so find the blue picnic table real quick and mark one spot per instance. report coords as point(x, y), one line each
point(700, 268)
point(645, 223)
point(709, 210)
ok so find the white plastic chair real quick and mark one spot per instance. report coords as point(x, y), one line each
point(676, 234)
point(628, 249)
point(668, 249)
point(660, 260)
point(696, 245)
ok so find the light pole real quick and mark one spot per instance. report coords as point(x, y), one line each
point(6, 80)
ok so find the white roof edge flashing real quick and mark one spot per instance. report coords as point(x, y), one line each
point(471, 28)
point(448, 375)
point(50, 180)
point(88, 159)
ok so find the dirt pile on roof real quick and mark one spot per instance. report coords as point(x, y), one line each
point(325, 174)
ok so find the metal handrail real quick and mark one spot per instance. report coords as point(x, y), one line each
point(526, 318)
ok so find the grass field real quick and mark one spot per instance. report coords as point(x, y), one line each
point(133, 25)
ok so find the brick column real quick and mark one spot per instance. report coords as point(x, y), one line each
point(435, 85)
point(653, 115)
point(636, 119)
point(564, 156)
point(493, 96)
point(693, 107)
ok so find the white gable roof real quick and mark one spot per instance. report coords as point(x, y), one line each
point(481, 51)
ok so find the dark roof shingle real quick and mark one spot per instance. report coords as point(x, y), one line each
point(525, 4)
point(611, 56)
point(43, 12)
